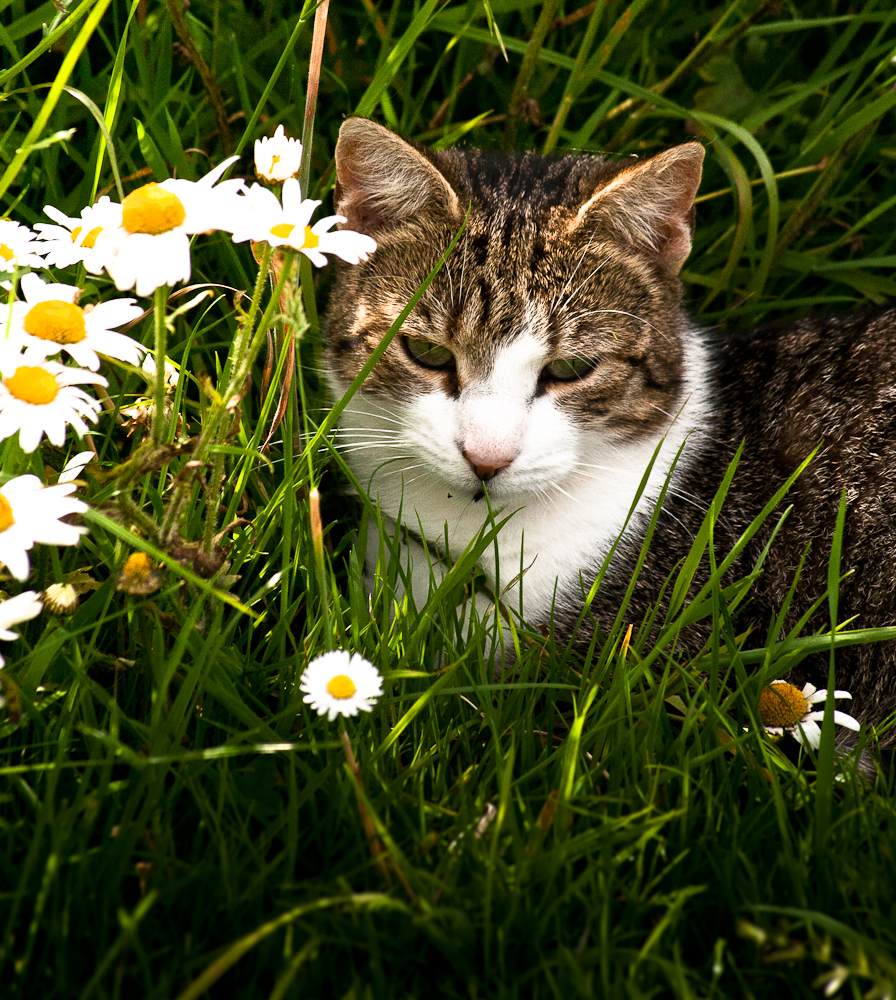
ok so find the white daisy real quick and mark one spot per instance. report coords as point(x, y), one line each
point(18, 246)
point(75, 466)
point(149, 244)
point(277, 158)
point(49, 320)
point(14, 611)
point(266, 220)
point(39, 397)
point(341, 683)
point(784, 708)
point(73, 240)
point(30, 513)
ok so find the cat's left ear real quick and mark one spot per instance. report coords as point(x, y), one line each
point(651, 204)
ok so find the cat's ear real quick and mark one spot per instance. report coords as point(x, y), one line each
point(651, 204)
point(382, 181)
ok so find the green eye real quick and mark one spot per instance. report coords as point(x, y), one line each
point(430, 355)
point(567, 369)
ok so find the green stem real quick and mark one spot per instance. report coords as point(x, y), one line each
point(530, 61)
point(245, 328)
point(214, 502)
point(158, 416)
point(247, 359)
point(239, 365)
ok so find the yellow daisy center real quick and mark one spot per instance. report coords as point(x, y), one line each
point(61, 322)
point(75, 232)
point(782, 704)
point(311, 240)
point(151, 209)
point(274, 161)
point(33, 385)
point(90, 239)
point(282, 230)
point(6, 518)
point(137, 564)
point(5, 252)
point(341, 686)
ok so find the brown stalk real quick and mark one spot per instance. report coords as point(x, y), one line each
point(377, 850)
point(176, 13)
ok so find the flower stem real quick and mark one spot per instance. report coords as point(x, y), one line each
point(245, 328)
point(161, 331)
point(377, 850)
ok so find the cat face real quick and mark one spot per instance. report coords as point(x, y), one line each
point(549, 342)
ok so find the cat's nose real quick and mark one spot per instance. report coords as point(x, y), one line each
point(486, 467)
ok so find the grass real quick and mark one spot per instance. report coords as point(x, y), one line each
point(174, 822)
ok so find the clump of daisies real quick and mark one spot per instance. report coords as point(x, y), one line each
point(785, 708)
point(53, 345)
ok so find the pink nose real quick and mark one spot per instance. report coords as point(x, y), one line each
point(487, 467)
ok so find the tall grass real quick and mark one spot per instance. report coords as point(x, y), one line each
point(174, 821)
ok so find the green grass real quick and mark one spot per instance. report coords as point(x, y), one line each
point(599, 828)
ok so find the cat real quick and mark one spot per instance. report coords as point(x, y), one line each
point(550, 360)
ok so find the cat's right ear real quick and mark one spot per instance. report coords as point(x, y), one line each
point(651, 204)
point(382, 181)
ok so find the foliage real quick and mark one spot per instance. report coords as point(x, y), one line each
point(172, 815)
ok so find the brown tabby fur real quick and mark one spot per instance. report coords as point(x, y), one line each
point(578, 234)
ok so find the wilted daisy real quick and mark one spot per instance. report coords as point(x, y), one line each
point(277, 158)
point(30, 513)
point(142, 410)
point(51, 321)
point(149, 244)
point(18, 246)
point(60, 599)
point(341, 683)
point(785, 708)
point(139, 575)
point(72, 240)
point(16, 610)
point(266, 220)
point(39, 397)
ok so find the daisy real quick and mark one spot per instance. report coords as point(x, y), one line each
point(75, 466)
point(39, 397)
point(341, 683)
point(783, 707)
point(141, 411)
point(16, 610)
point(277, 158)
point(148, 243)
point(18, 247)
point(139, 575)
point(30, 513)
point(49, 320)
point(60, 599)
point(288, 225)
point(73, 240)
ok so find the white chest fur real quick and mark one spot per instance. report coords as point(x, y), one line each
point(569, 490)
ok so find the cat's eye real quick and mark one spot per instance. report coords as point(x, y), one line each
point(567, 369)
point(428, 354)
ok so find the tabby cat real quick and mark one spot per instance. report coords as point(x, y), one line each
point(551, 358)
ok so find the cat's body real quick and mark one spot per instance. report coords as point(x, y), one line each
point(549, 361)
